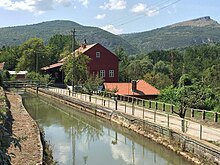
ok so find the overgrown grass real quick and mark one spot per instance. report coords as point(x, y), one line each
point(47, 151)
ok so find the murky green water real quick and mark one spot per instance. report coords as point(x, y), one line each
point(80, 139)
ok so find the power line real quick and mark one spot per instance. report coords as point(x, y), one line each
point(127, 17)
point(143, 15)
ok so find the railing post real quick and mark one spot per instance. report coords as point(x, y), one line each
point(164, 105)
point(143, 104)
point(155, 112)
point(200, 130)
point(203, 115)
point(37, 90)
point(168, 120)
point(125, 107)
point(183, 125)
point(116, 104)
point(132, 106)
point(192, 113)
point(156, 106)
point(149, 104)
point(172, 109)
point(216, 117)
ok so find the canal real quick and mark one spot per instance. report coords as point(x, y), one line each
point(83, 139)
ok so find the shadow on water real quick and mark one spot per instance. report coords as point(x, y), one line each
point(79, 138)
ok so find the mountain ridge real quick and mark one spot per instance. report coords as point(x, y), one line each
point(191, 32)
point(197, 31)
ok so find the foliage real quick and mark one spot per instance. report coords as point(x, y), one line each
point(5, 75)
point(10, 55)
point(42, 79)
point(34, 55)
point(58, 44)
point(47, 150)
point(75, 68)
point(92, 83)
point(159, 80)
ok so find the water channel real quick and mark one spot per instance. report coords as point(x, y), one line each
point(83, 139)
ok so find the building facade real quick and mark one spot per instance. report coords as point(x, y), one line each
point(102, 62)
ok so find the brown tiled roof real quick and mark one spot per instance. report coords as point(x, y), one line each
point(2, 65)
point(52, 66)
point(143, 88)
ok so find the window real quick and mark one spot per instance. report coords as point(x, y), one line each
point(98, 54)
point(111, 73)
point(102, 73)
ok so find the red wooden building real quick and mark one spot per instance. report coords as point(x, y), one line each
point(103, 62)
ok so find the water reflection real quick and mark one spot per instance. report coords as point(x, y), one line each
point(83, 139)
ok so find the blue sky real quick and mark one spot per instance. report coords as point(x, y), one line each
point(116, 16)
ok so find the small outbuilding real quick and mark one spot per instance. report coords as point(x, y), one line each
point(18, 75)
point(137, 88)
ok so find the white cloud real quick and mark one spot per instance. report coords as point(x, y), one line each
point(34, 6)
point(114, 5)
point(84, 2)
point(112, 29)
point(141, 8)
point(100, 16)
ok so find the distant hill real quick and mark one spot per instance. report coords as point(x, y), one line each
point(17, 35)
point(183, 34)
point(188, 33)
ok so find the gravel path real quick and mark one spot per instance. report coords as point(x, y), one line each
point(23, 126)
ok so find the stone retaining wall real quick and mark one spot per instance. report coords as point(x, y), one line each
point(195, 150)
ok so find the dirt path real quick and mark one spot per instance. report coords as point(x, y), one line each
point(25, 127)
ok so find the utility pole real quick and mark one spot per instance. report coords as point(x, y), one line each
point(172, 68)
point(73, 57)
point(36, 62)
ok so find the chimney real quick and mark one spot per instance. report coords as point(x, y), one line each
point(84, 44)
point(133, 85)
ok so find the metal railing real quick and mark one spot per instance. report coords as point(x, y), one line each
point(149, 111)
point(195, 114)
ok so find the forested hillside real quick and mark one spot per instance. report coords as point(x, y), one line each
point(188, 33)
point(12, 36)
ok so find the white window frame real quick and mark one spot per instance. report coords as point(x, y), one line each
point(111, 73)
point(98, 54)
point(102, 73)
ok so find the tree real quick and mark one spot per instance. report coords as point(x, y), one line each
point(10, 55)
point(92, 83)
point(212, 76)
point(58, 44)
point(42, 79)
point(123, 63)
point(34, 55)
point(75, 68)
point(159, 80)
point(161, 67)
point(138, 68)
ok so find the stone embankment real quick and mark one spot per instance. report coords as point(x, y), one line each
point(26, 129)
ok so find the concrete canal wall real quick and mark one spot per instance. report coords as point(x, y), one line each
point(195, 150)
